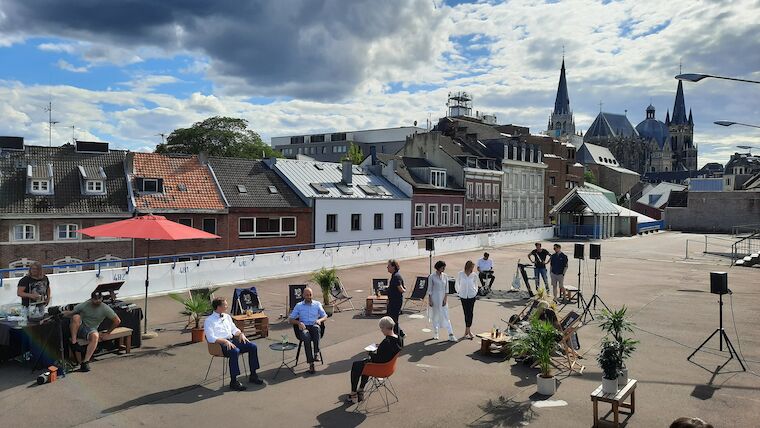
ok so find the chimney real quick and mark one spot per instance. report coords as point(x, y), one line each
point(373, 154)
point(348, 172)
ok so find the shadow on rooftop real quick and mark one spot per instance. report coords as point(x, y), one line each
point(340, 417)
point(504, 412)
point(183, 395)
point(418, 350)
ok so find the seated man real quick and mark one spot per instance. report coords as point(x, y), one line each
point(85, 320)
point(219, 328)
point(308, 315)
point(485, 272)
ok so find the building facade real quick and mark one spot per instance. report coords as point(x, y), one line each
point(183, 189)
point(332, 147)
point(349, 203)
point(48, 194)
point(263, 210)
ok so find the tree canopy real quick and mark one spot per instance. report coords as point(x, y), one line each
point(354, 154)
point(588, 177)
point(218, 136)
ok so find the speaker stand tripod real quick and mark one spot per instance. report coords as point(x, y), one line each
point(581, 300)
point(593, 299)
point(721, 337)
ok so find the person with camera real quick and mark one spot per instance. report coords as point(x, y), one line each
point(34, 287)
point(86, 317)
point(219, 328)
point(485, 273)
point(308, 315)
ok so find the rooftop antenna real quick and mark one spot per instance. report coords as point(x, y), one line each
point(680, 66)
point(600, 106)
point(73, 139)
point(162, 135)
point(563, 52)
point(51, 122)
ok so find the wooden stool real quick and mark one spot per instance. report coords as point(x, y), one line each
point(617, 401)
point(121, 334)
point(252, 325)
point(376, 305)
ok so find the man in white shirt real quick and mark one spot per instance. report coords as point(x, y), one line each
point(485, 273)
point(219, 328)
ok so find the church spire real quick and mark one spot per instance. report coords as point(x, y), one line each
point(562, 102)
point(667, 118)
point(691, 119)
point(679, 108)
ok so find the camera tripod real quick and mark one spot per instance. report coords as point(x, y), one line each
point(593, 299)
point(721, 337)
point(57, 319)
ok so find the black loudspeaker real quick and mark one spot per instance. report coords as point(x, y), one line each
point(718, 282)
point(595, 251)
point(429, 244)
point(579, 250)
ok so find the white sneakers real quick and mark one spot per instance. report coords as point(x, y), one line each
point(452, 338)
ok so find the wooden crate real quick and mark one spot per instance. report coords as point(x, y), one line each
point(376, 305)
point(252, 325)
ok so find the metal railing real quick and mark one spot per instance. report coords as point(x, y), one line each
point(745, 247)
point(592, 231)
point(745, 228)
point(198, 257)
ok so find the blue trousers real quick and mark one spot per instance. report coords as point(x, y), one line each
point(541, 272)
point(241, 348)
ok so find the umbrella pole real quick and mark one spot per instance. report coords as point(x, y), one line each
point(146, 334)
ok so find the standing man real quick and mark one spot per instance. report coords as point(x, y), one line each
point(540, 257)
point(34, 287)
point(220, 329)
point(85, 320)
point(559, 264)
point(396, 292)
point(485, 273)
point(309, 315)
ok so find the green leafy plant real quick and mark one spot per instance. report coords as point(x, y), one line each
point(609, 359)
point(325, 278)
point(615, 323)
point(196, 306)
point(539, 343)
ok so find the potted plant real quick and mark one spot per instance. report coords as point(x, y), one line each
point(615, 324)
point(195, 306)
point(325, 278)
point(539, 343)
point(609, 361)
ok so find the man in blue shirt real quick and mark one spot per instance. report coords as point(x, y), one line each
point(559, 264)
point(308, 315)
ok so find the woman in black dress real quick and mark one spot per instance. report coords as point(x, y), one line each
point(396, 292)
point(388, 348)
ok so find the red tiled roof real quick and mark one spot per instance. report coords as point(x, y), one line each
point(201, 193)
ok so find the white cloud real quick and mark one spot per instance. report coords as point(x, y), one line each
point(65, 65)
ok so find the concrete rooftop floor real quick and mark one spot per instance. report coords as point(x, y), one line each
point(439, 383)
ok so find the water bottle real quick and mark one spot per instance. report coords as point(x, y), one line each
point(284, 340)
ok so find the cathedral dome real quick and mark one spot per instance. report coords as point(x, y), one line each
point(652, 129)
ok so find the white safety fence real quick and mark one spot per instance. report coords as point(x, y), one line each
point(181, 276)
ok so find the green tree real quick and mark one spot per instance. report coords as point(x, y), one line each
point(218, 136)
point(354, 154)
point(588, 177)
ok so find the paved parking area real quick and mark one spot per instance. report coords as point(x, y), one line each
point(439, 383)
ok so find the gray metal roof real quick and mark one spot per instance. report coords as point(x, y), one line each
point(301, 174)
point(593, 154)
point(653, 129)
point(610, 125)
point(582, 197)
point(659, 195)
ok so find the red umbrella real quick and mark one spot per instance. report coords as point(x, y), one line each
point(150, 228)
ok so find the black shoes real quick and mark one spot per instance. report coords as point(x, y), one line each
point(84, 367)
point(254, 379)
point(237, 386)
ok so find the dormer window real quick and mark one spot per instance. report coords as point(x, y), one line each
point(94, 186)
point(41, 186)
point(438, 178)
point(472, 162)
point(149, 185)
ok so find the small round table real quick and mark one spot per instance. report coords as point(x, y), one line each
point(280, 346)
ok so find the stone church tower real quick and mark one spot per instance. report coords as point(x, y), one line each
point(681, 133)
point(561, 122)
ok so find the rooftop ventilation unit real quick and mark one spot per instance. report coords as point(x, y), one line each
point(91, 147)
point(12, 143)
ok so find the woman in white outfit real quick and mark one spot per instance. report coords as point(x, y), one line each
point(467, 290)
point(438, 313)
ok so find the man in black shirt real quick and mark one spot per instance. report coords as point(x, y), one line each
point(34, 288)
point(396, 292)
point(540, 257)
point(559, 267)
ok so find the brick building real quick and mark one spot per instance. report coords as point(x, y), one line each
point(47, 194)
point(263, 210)
point(182, 189)
point(437, 201)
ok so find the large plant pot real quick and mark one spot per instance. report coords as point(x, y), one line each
point(609, 386)
point(329, 309)
point(546, 385)
point(623, 377)
point(196, 335)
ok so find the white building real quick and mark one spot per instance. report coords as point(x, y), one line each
point(349, 203)
point(522, 199)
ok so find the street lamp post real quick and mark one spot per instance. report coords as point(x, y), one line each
point(696, 77)
point(729, 123)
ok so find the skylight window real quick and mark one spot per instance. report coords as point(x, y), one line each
point(272, 189)
point(319, 188)
point(182, 187)
point(242, 189)
point(344, 189)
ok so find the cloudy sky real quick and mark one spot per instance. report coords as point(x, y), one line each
point(128, 71)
